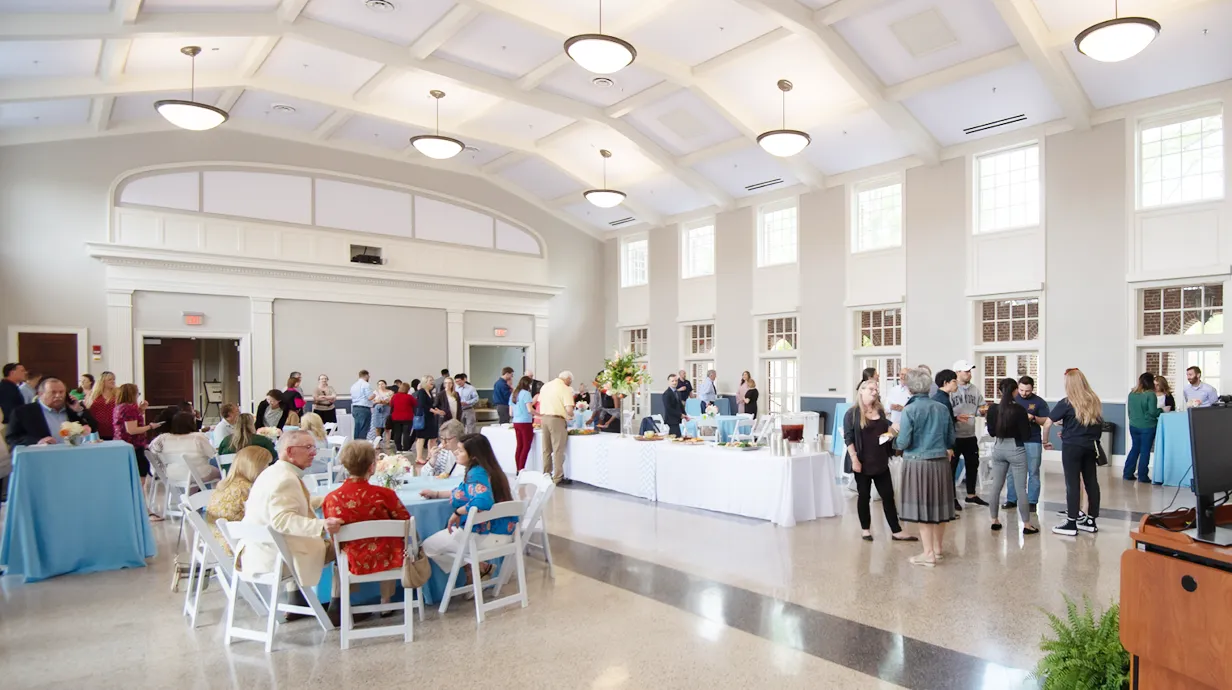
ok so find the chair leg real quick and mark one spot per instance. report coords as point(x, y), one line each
point(235, 584)
point(344, 586)
point(315, 604)
point(408, 616)
point(272, 620)
point(419, 603)
point(547, 549)
point(453, 577)
point(197, 597)
point(520, 556)
point(476, 582)
point(192, 569)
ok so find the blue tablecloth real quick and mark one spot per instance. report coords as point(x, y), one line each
point(1173, 455)
point(75, 510)
point(431, 516)
point(693, 407)
point(581, 419)
point(726, 426)
point(836, 433)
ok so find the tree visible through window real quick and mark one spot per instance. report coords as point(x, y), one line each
point(781, 334)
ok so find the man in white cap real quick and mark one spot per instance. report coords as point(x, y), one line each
point(967, 401)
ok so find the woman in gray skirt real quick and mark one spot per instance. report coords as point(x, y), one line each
point(925, 436)
point(1008, 424)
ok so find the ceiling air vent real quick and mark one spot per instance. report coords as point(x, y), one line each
point(995, 124)
point(622, 221)
point(766, 183)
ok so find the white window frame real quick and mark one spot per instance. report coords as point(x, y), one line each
point(791, 400)
point(762, 248)
point(627, 277)
point(1177, 117)
point(857, 347)
point(763, 334)
point(765, 356)
point(1039, 318)
point(983, 371)
point(1035, 347)
point(978, 191)
point(626, 340)
point(688, 262)
point(878, 354)
point(857, 218)
point(1180, 339)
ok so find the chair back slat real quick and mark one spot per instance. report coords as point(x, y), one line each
point(373, 528)
point(198, 501)
point(504, 509)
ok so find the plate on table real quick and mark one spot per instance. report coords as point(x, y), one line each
point(582, 432)
point(740, 445)
point(689, 441)
point(650, 438)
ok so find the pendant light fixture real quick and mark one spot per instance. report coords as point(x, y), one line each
point(190, 114)
point(604, 198)
point(1117, 39)
point(600, 53)
point(784, 142)
point(435, 145)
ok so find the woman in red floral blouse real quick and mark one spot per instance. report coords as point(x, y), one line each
point(357, 501)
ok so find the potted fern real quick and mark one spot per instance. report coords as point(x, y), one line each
point(1085, 653)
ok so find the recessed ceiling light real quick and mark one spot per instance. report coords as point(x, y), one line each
point(603, 82)
point(282, 108)
point(381, 6)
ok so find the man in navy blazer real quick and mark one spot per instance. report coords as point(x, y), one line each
point(39, 422)
point(673, 407)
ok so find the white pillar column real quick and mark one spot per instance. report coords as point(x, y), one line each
point(455, 340)
point(119, 356)
point(542, 365)
point(261, 373)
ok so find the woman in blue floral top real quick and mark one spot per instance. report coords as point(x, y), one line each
point(483, 485)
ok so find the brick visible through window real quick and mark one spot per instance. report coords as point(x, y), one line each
point(1183, 310)
point(1009, 320)
point(881, 328)
point(701, 339)
point(781, 333)
point(1012, 365)
point(636, 340)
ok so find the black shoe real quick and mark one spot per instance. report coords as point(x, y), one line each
point(1009, 505)
point(1130, 478)
point(957, 505)
point(335, 614)
point(976, 500)
point(295, 598)
point(1069, 529)
point(996, 526)
point(1087, 524)
point(1144, 480)
point(867, 537)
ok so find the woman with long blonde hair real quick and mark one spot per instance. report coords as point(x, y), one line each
point(227, 501)
point(313, 424)
point(101, 402)
point(866, 429)
point(1080, 414)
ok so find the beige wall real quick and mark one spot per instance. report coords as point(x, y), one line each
point(54, 198)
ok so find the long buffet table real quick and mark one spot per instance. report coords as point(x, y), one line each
point(782, 489)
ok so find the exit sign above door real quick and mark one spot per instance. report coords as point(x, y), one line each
point(192, 318)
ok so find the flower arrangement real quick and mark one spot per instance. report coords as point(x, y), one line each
point(581, 406)
point(712, 409)
point(623, 374)
point(72, 432)
point(270, 432)
point(389, 470)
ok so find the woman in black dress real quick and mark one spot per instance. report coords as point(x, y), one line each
point(425, 408)
point(750, 398)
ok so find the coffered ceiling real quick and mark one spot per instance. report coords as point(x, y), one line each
point(875, 81)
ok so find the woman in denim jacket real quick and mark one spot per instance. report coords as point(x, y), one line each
point(925, 436)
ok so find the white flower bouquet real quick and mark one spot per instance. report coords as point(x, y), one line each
point(72, 432)
point(390, 470)
point(581, 406)
point(270, 432)
point(712, 409)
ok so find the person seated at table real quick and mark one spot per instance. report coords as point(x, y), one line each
point(39, 422)
point(226, 426)
point(271, 411)
point(183, 438)
point(357, 501)
point(279, 500)
point(313, 424)
point(442, 460)
point(244, 435)
point(227, 501)
point(483, 485)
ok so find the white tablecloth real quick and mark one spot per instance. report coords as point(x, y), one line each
point(783, 490)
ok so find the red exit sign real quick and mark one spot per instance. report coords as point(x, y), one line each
point(193, 318)
point(500, 332)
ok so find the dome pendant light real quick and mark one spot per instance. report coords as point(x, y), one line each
point(190, 114)
point(1117, 39)
point(434, 145)
point(604, 198)
point(600, 53)
point(784, 142)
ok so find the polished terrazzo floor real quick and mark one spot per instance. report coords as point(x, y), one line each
point(645, 596)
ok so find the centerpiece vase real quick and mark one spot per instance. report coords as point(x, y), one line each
point(624, 426)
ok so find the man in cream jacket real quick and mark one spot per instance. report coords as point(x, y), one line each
point(280, 500)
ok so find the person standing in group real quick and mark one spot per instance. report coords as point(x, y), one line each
point(361, 406)
point(1037, 415)
point(501, 391)
point(29, 387)
point(871, 374)
point(11, 397)
point(84, 387)
point(101, 402)
point(925, 436)
point(402, 417)
point(1080, 415)
point(707, 390)
point(293, 396)
point(742, 391)
point(684, 389)
point(556, 411)
point(897, 398)
point(440, 381)
point(468, 397)
point(673, 406)
point(448, 405)
point(1163, 395)
point(1009, 425)
point(967, 401)
point(942, 385)
point(867, 434)
point(1143, 416)
point(1198, 393)
point(380, 412)
point(323, 399)
point(128, 422)
point(523, 421)
point(750, 397)
point(426, 418)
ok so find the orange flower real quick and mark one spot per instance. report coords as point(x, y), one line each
point(64, 432)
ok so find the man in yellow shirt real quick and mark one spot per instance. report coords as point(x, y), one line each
point(556, 410)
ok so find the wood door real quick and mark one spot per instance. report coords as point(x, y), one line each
point(169, 370)
point(50, 354)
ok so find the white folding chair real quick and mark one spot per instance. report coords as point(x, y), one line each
point(534, 523)
point(471, 554)
point(316, 482)
point(658, 420)
point(330, 428)
point(183, 486)
point(224, 464)
point(708, 429)
point(243, 534)
point(743, 420)
point(762, 429)
point(209, 558)
point(368, 530)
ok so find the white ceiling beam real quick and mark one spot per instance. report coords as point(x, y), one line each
point(741, 51)
point(336, 120)
point(258, 52)
point(444, 29)
point(50, 88)
point(838, 11)
point(113, 58)
point(719, 149)
point(954, 73)
point(495, 166)
point(536, 76)
point(229, 97)
point(100, 112)
point(844, 60)
point(553, 137)
point(642, 98)
point(589, 181)
point(17, 26)
point(126, 10)
point(382, 77)
point(289, 10)
point(1029, 29)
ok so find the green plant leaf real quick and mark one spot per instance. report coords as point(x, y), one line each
point(1083, 652)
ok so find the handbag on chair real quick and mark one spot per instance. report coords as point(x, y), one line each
point(416, 568)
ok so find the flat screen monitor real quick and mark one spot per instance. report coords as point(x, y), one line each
point(1210, 438)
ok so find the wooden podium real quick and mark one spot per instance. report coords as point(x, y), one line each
point(1176, 607)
